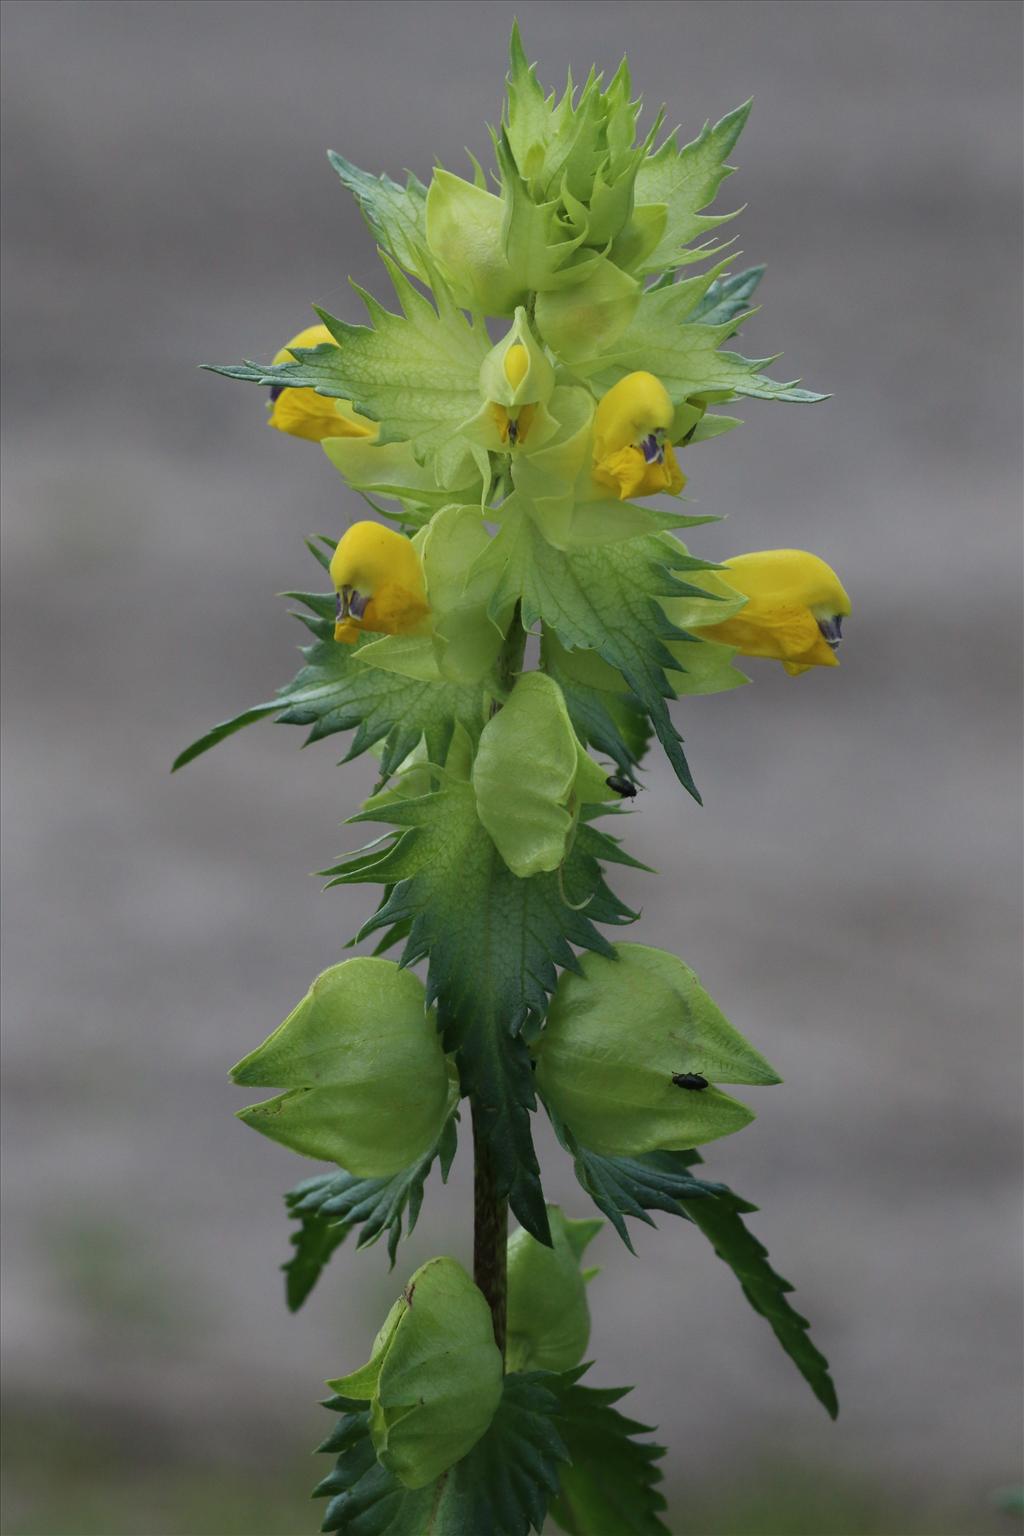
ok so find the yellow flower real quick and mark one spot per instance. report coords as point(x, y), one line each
point(379, 581)
point(794, 610)
point(631, 453)
point(304, 413)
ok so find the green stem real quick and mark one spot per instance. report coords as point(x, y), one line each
point(490, 1233)
point(490, 1210)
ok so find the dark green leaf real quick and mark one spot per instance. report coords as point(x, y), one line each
point(663, 1181)
point(330, 1205)
point(502, 1488)
point(605, 716)
point(335, 691)
point(609, 1486)
point(720, 1221)
point(604, 598)
point(632, 1186)
point(727, 298)
point(314, 1243)
point(493, 942)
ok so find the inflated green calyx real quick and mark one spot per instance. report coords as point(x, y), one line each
point(367, 1080)
point(434, 1378)
point(617, 1036)
point(548, 1317)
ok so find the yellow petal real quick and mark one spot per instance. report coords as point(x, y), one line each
point(304, 413)
point(787, 592)
point(636, 406)
point(516, 364)
point(791, 576)
point(628, 473)
point(384, 567)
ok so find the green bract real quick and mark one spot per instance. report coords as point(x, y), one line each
point(617, 1034)
point(562, 337)
point(548, 1317)
point(433, 1380)
point(367, 1078)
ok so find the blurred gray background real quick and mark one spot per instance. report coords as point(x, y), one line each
point(849, 894)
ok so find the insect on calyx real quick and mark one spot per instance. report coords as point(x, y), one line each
point(695, 1081)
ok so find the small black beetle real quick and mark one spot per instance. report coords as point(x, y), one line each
point(624, 787)
point(692, 1080)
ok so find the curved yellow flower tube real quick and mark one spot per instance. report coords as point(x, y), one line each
point(304, 413)
point(794, 610)
point(379, 580)
point(631, 453)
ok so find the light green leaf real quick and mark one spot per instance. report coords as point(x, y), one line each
point(663, 339)
point(686, 181)
point(416, 372)
point(523, 775)
point(391, 470)
point(590, 316)
point(396, 215)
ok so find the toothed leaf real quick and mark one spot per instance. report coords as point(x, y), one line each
point(609, 1486)
point(686, 181)
point(331, 1205)
point(493, 942)
point(338, 691)
point(604, 598)
point(503, 1487)
point(396, 215)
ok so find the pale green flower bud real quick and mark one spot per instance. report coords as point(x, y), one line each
point(516, 372)
point(434, 1379)
point(585, 319)
point(630, 1049)
point(548, 1317)
point(516, 383)
point(465, 232)
point(367, 1078)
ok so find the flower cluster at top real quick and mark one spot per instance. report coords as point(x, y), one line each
point(508, 463)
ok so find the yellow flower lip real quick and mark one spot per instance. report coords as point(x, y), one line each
point(632, 454)
point(379, 581)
